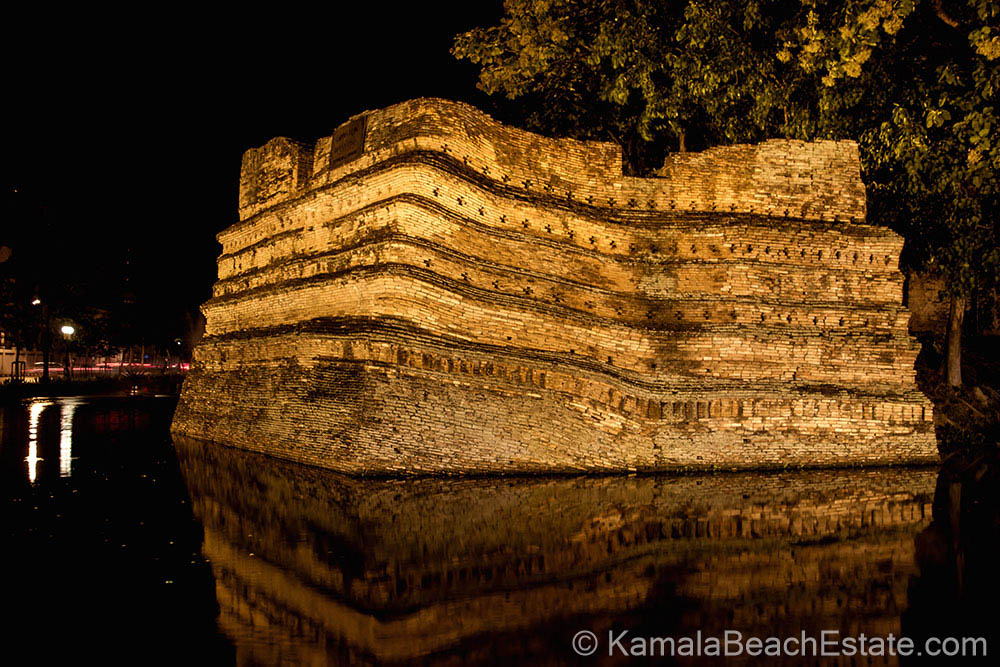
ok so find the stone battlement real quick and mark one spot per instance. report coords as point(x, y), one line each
point(809, 180)
point(428, 290)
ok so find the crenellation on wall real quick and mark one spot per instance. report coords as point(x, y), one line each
point(815, 181)
point(272, 173)
point(429, 291)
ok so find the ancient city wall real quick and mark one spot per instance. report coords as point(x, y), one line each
point(428, 290)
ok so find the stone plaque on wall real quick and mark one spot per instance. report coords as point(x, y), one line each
point(348, 142)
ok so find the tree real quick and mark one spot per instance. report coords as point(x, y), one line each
point(913, 81)
point(19, 320)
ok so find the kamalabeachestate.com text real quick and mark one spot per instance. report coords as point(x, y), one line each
point(732, 643)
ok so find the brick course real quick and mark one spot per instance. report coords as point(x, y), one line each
point(439, 293)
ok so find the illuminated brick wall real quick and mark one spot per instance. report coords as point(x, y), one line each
point(430, 291)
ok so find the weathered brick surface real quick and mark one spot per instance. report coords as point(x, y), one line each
point(431, 291)
point(319, 565)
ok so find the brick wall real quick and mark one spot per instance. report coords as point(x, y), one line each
point(430, 291)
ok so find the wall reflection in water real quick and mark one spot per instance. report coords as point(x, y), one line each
point(956, 593)
point(314, 567)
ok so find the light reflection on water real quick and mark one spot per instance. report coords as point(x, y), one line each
point(67, 408)
point(257, 561)
point(101, 554)
point(35, 410)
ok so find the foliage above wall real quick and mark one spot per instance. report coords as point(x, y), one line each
point(915, 82)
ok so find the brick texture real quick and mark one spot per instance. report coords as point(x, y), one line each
point(429, 291)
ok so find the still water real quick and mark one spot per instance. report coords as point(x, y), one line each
point(123, 545)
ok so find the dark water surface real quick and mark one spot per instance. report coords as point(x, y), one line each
point(121, 545)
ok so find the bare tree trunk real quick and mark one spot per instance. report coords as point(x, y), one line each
point(953, 359)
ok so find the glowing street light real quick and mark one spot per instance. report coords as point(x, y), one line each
point(67, 332)
point(36, 301)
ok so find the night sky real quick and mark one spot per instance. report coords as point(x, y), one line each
point(124, 131)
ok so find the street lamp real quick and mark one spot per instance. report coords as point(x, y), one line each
point(67, 332)
point(45, 333)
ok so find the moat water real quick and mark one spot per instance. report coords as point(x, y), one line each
point(121, 544)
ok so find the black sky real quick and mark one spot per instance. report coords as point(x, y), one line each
point(125, 128)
